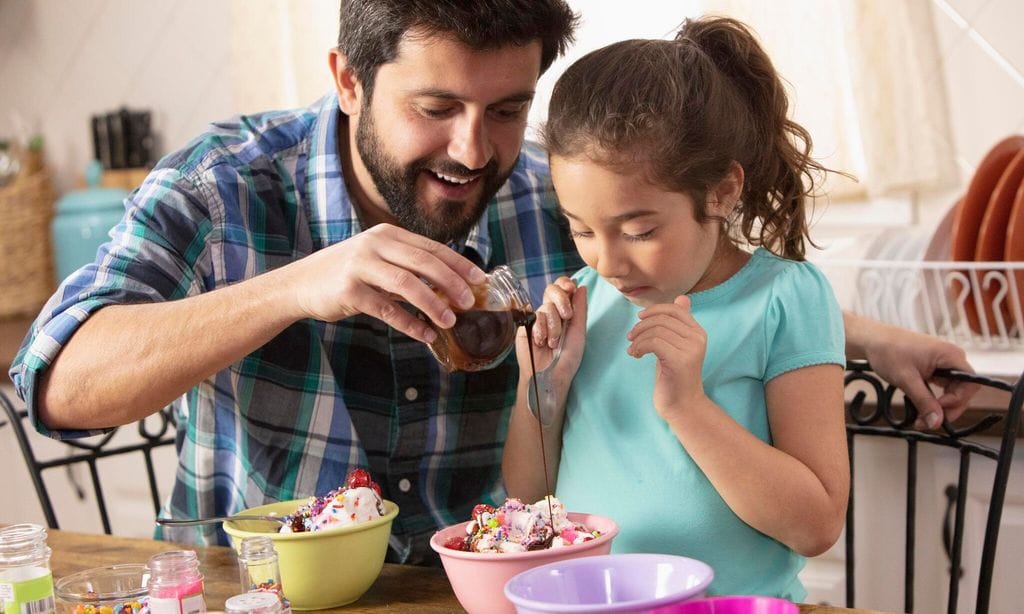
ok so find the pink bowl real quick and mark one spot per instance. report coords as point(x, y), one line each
point(731, 605)
point(479, 578)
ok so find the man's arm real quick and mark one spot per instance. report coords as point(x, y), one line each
point(127, 361)
point(908, 360)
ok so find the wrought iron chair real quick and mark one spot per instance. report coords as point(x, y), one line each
point(872, 413)
point(156, 431)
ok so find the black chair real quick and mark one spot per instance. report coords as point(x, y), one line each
point(871, 412)
point(156, 431)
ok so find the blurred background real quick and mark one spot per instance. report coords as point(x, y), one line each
point(907, 96)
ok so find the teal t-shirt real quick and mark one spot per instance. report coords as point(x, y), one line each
point(620, 459)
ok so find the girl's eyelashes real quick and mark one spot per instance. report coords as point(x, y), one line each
point(643, 236)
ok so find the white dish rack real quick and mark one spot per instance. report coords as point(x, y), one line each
point(937, 298)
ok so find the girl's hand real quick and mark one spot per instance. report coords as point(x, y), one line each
point(563, 312)
point(671, 333)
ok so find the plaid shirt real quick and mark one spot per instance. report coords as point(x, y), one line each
point(290, 419)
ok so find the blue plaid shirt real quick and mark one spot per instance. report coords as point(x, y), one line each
point(290, 419)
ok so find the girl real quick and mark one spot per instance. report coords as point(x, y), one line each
point(698, 395)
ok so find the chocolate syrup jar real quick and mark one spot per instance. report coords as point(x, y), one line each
point(484, 334)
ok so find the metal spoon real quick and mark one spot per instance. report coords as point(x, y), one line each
point(191, 522)
point(544, 411)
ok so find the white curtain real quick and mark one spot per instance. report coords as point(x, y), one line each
point(866, 82)
point(864, 75)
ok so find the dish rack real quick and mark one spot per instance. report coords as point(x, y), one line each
point(977, 305)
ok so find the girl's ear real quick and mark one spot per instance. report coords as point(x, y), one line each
point(728, 191)
point(350, 90)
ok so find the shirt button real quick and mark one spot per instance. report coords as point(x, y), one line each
point(411, 394)
point(404, 485)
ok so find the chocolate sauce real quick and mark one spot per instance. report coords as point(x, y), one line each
point(540, 427)
point(479, 339)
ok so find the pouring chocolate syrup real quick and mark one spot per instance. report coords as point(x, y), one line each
point(484, 334)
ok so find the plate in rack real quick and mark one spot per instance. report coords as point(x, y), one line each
point(971, 211)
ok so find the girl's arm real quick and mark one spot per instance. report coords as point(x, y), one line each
point(798, 492)
point(522, 465)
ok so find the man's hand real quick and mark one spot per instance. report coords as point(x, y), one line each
point(908, 360)
point(375, 270)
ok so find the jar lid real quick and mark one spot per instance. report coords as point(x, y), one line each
point(93, 197)
point(256, 602)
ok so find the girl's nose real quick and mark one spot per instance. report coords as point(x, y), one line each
point(469, 144)
point(611, 261)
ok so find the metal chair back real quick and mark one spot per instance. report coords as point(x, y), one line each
point(156, 431)
point(871, 412)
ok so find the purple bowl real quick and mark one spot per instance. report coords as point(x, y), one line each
point(618, 583)
point(730, 605)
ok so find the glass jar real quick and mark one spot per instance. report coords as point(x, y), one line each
point(26, 582)
point(257, 602)
point(175, 584)
point(117, 589)
point(486, 332)
point(258, 568)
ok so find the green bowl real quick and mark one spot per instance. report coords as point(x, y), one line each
point(321, 569)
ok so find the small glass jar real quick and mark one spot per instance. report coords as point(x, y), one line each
point(175, 584)
point(26, 582)
point(258, 567)
point(257, 602)
point(116, 589)
point(484, 334)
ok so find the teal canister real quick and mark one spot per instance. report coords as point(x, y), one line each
point(83, 222)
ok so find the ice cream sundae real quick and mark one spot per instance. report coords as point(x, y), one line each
point(358, 500)
point(517, 527)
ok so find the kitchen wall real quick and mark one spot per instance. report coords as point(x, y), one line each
point(193, 61)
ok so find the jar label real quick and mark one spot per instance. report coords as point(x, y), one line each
point(186, 604)
point(34, 596)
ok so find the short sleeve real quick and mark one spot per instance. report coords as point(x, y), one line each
point(154, 254)
point(804, 325)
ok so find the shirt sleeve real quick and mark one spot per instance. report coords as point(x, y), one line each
point(157, 252)
point(804, 325)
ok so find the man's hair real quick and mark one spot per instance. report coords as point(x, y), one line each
point(371, 30)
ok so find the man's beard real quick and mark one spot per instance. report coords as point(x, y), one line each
point(452, 219)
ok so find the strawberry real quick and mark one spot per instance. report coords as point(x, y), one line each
point(457, 543)
point(357, 478)
point(481, 508)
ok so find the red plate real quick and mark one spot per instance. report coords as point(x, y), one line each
point(992, 235)
point(971, 211)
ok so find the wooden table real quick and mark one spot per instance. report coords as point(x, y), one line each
point(400, 588)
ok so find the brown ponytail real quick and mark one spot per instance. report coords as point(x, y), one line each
point(684, 110)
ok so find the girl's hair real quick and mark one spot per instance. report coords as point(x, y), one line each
point(683, 111)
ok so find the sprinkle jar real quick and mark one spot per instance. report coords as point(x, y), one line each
point(26, 582)
point(175, 584)
point(253, 603)
point(115, 589)
point(258, 568)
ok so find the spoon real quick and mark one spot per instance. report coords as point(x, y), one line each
point(544, 411)
point(191, 522)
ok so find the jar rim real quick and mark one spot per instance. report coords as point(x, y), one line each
point(80, 586)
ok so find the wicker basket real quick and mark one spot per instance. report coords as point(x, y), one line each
point(26, 260)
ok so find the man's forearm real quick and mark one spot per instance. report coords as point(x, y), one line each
point(859, 331)
point(128, 361)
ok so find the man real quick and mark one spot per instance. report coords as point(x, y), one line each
point(270, 278)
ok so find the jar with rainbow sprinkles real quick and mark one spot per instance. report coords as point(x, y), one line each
point(115, 589)
point(258, 568)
